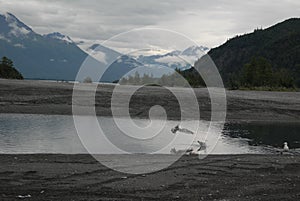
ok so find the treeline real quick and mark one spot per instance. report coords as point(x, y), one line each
point(7, 70)
point(170, 80)
point(260, 74)
point(177, 79)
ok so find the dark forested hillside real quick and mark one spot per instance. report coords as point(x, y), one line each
point(279, 45)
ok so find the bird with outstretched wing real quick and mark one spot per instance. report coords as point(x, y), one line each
point(182, 130)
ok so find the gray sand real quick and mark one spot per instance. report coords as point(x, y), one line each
point(80, 177)
point(41, 97)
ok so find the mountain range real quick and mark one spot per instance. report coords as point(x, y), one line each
point(176, 59)
point(55, 56)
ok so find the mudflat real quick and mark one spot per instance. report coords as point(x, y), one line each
point(44, 97)
point(81, 177)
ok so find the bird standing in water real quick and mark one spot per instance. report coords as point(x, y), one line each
point(285, 148)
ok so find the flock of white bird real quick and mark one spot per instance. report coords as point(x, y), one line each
point(191, 150)
point(203, 146)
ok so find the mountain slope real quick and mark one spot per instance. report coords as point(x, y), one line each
point(116, 64)
point(119, 68)
point(279, 44)
point(101, 53)
point(37, 56)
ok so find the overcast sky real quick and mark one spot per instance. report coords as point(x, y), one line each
point(209, 23)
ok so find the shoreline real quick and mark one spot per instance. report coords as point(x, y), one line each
point(242, 121)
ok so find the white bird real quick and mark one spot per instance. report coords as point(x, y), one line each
point(182, 130)
point(202, 146)
point(285, 147)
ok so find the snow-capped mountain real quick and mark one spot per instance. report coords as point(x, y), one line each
point(103, 54)
point(120, 67)
point(56, 56)
point(156, 64)
point(59, 36)
point(13, 27)
point(195, 51)
point(176, 59)
point(117, 64)
point(37, 56)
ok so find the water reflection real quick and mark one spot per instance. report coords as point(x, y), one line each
point(25, 133)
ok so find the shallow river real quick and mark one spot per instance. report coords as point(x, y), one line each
point(25, 133)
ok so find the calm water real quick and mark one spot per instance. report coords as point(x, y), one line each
point(24, 133)
point(262, 134)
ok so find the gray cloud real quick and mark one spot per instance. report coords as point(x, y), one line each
point(208, 23)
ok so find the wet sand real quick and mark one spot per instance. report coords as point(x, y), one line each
point(80, 177)
point(40, 97)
